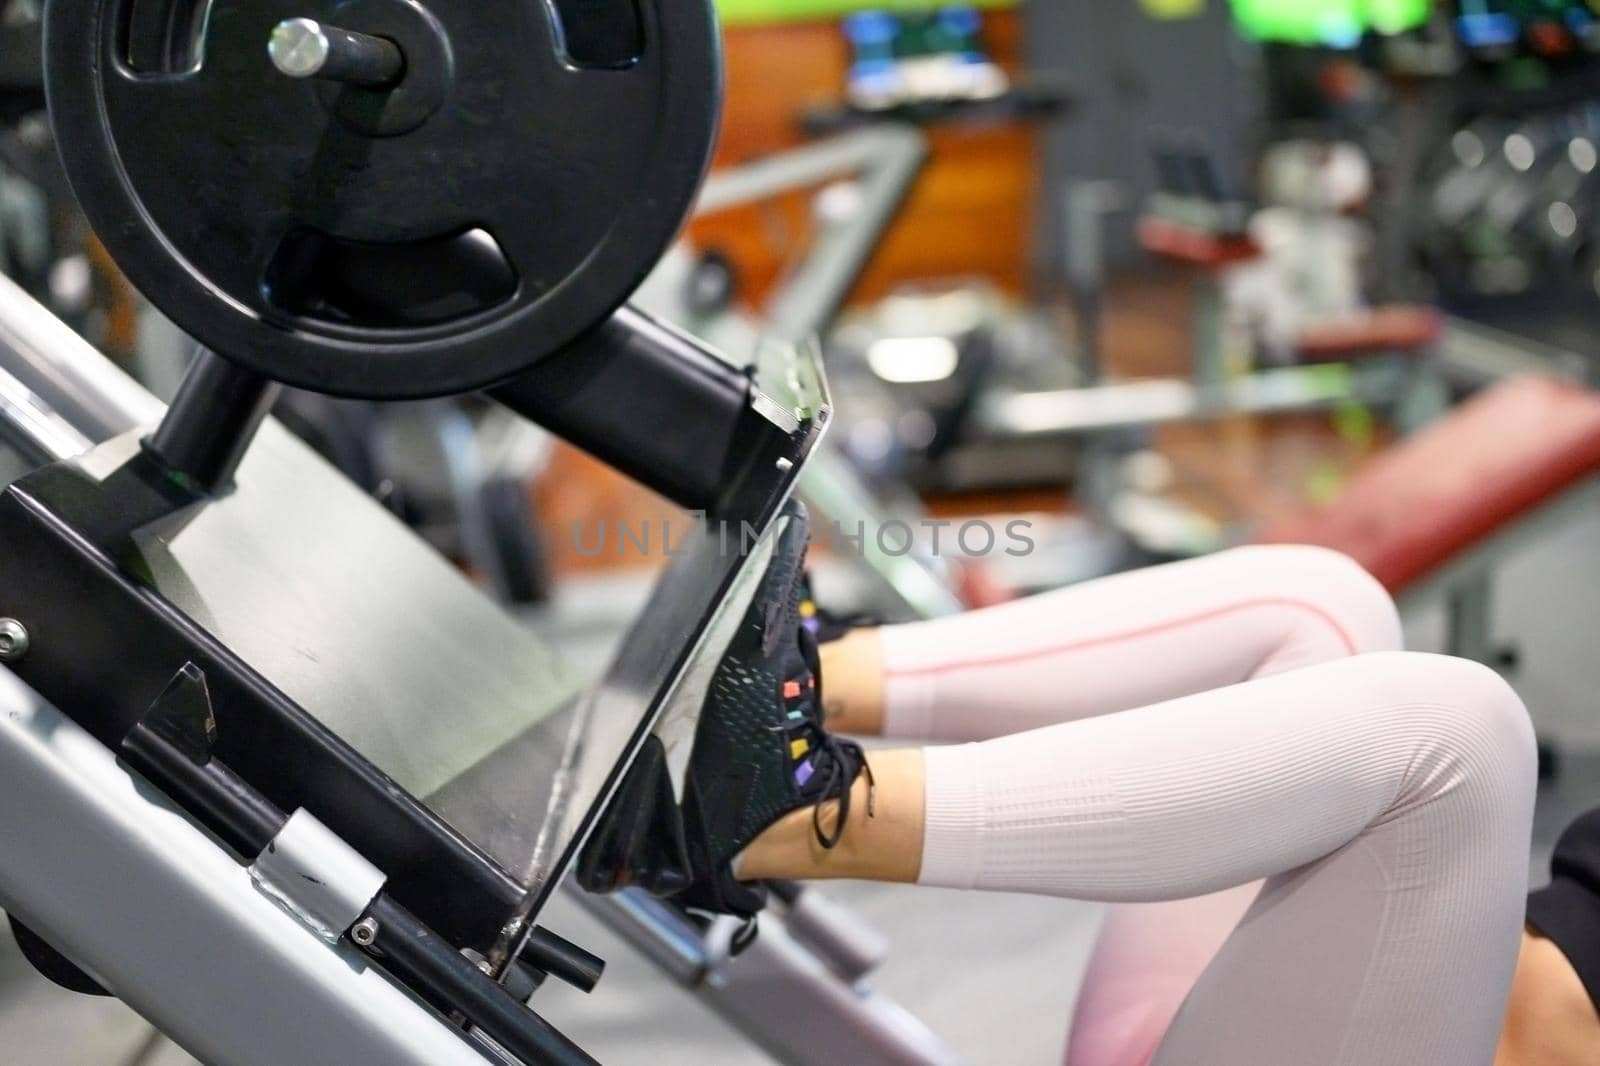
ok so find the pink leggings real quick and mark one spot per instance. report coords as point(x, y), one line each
point(1241, 720)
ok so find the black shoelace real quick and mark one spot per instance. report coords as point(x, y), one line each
point(837, 759)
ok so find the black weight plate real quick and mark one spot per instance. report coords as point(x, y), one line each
point(436, 237)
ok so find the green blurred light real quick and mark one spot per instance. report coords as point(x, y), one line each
point(1338, 23)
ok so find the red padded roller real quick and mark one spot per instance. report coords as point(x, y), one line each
point(1193, 246)
point(1397, 328)
point(1421, 503)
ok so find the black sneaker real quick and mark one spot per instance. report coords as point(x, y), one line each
point(760, 750)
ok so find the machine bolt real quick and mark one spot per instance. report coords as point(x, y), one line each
point(14, 640)
point(364, 932)
point(305, 48)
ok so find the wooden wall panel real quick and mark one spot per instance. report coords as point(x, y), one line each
point(970, 215)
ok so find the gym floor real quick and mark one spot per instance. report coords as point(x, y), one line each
point(1013, 1005)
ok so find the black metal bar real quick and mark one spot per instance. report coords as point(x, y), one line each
point(65, 374)
point(212, 421)
point(216, 795)
point(559, 957)
point(885, 159)
point(22, 59)
point(656, 404)
point(304, 48)
point(422, 959)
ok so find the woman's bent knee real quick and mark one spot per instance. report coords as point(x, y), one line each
point(1470, 734)
point(1341, 594)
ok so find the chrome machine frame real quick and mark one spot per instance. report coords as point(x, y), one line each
point(237, 978)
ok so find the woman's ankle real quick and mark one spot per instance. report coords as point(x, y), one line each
point(853, 683)
point(882, 838)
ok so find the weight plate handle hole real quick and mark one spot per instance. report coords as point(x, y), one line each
point(164, 36)
point(400, 285)
point(599, 34)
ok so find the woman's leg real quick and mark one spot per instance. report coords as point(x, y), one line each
point(1386, 799)
point(1147, 959)
point(1125, 641)
point(1103, 646)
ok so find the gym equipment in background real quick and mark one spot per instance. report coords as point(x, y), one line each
point(1503, 217)
point(907, 59)
point(992, 425)
point(1494, 30)
point(42, 238)
point(21, 59)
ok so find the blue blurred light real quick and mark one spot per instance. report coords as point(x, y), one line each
point(1488, 30)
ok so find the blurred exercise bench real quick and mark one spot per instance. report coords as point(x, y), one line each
point(1435, 513)
point(1405, 329)
point(1395, 341)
